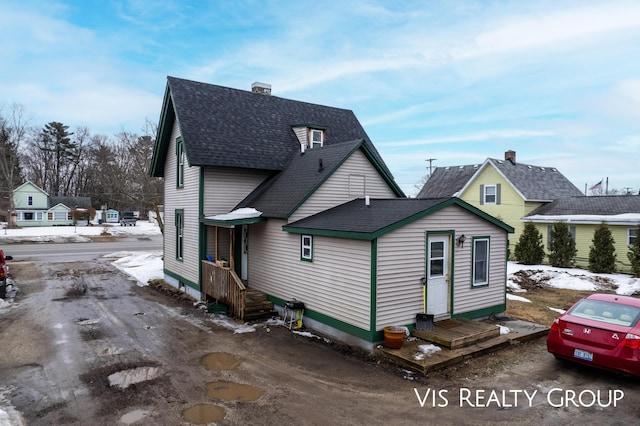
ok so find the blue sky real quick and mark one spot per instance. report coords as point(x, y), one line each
point(458, 81)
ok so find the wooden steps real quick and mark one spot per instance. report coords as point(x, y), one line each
point(257, 305)
point(458, 333)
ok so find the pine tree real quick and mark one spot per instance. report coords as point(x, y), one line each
point(602, 254)
point(634, 254)
point(562, 248)
point(529, 250)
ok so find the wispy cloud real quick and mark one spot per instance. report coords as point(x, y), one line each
point(474, 137)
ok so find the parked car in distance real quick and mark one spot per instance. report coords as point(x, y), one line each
point(127, 219)
point(4, 273)
point(600, 330)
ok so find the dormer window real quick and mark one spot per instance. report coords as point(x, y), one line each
point(316, 138)
point(310, 135)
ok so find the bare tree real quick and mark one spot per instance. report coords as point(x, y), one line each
point(12, 135)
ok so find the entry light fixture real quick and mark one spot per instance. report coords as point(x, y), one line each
point(460, 241)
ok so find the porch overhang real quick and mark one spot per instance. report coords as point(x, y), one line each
point(242, 216)
point(231, 223)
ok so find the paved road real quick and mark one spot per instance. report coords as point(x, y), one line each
point(81, 251)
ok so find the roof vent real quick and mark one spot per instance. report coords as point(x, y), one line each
point(262, 88)
point(320, 165)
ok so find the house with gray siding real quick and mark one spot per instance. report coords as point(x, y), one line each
point(266, 196)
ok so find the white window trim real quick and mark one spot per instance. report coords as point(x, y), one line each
point(312, 142)
point(495, 194)
point(306, 244)
point(631, 235)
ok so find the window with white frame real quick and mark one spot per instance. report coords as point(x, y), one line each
point(480, 254)
point(633, 234)
point(30, 200)
point(316, 139)
point(490, 194)
point(306, 248)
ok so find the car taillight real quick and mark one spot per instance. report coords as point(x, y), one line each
point(631, 341)
point(554, 325)
point(3, 273)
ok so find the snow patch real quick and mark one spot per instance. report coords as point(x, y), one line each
point(517, 298)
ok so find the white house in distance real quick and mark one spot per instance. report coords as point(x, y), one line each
point(322, 222)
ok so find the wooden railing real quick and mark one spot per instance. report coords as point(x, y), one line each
point(224, 285)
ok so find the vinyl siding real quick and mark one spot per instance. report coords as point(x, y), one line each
point(336, 189)
point(226, 187)
point(335, 284)
point(185, 198)
point(584, 241)
point(401, 264)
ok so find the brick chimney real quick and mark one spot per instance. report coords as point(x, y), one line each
point(511, 156)
point(262, 88)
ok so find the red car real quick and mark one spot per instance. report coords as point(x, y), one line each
point(599, 330)
point(4, 273)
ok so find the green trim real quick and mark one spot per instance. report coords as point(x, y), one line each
point(183, 280)
point(179, 153)
point(401, 223)
point(373, 291)
point(484, 312)
point(309, 126)
point(161, 146)
point(332, 322)
point(302, 258)
point(473, 260)
point(202, 230)
point(178, 215)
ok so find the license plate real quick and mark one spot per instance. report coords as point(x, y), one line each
point(579, 353)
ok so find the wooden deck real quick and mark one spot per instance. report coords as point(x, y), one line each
point(472, 338)
point(458, 333)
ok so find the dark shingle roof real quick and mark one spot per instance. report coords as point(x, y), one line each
point(228, 127)
point(447, 181)
point(535, 183)
point(281, 194)
point(594, 205)
point(71, 202)
point(357, 219)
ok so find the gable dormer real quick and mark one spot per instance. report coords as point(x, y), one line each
point(310, 136)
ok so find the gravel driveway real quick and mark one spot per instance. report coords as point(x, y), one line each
point(82, 344)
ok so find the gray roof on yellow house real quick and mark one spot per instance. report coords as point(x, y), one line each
point(533, 183)
point(283, 193)
point(225, 127)
point(357, 220)
point(592, 205)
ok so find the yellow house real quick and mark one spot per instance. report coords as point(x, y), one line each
point(621, 213)
point(504, 189)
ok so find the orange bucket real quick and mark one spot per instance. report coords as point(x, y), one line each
point(393, 336)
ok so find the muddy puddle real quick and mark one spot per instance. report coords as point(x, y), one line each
point(218, 361)
point(203, 414)
point(125, 378)
point(229, 391)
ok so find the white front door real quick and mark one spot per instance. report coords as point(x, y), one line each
point(438, 274)
point(244, 269)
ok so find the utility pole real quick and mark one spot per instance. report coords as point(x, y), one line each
point(431, 160)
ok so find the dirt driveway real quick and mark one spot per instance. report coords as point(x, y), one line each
point(84, 345)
